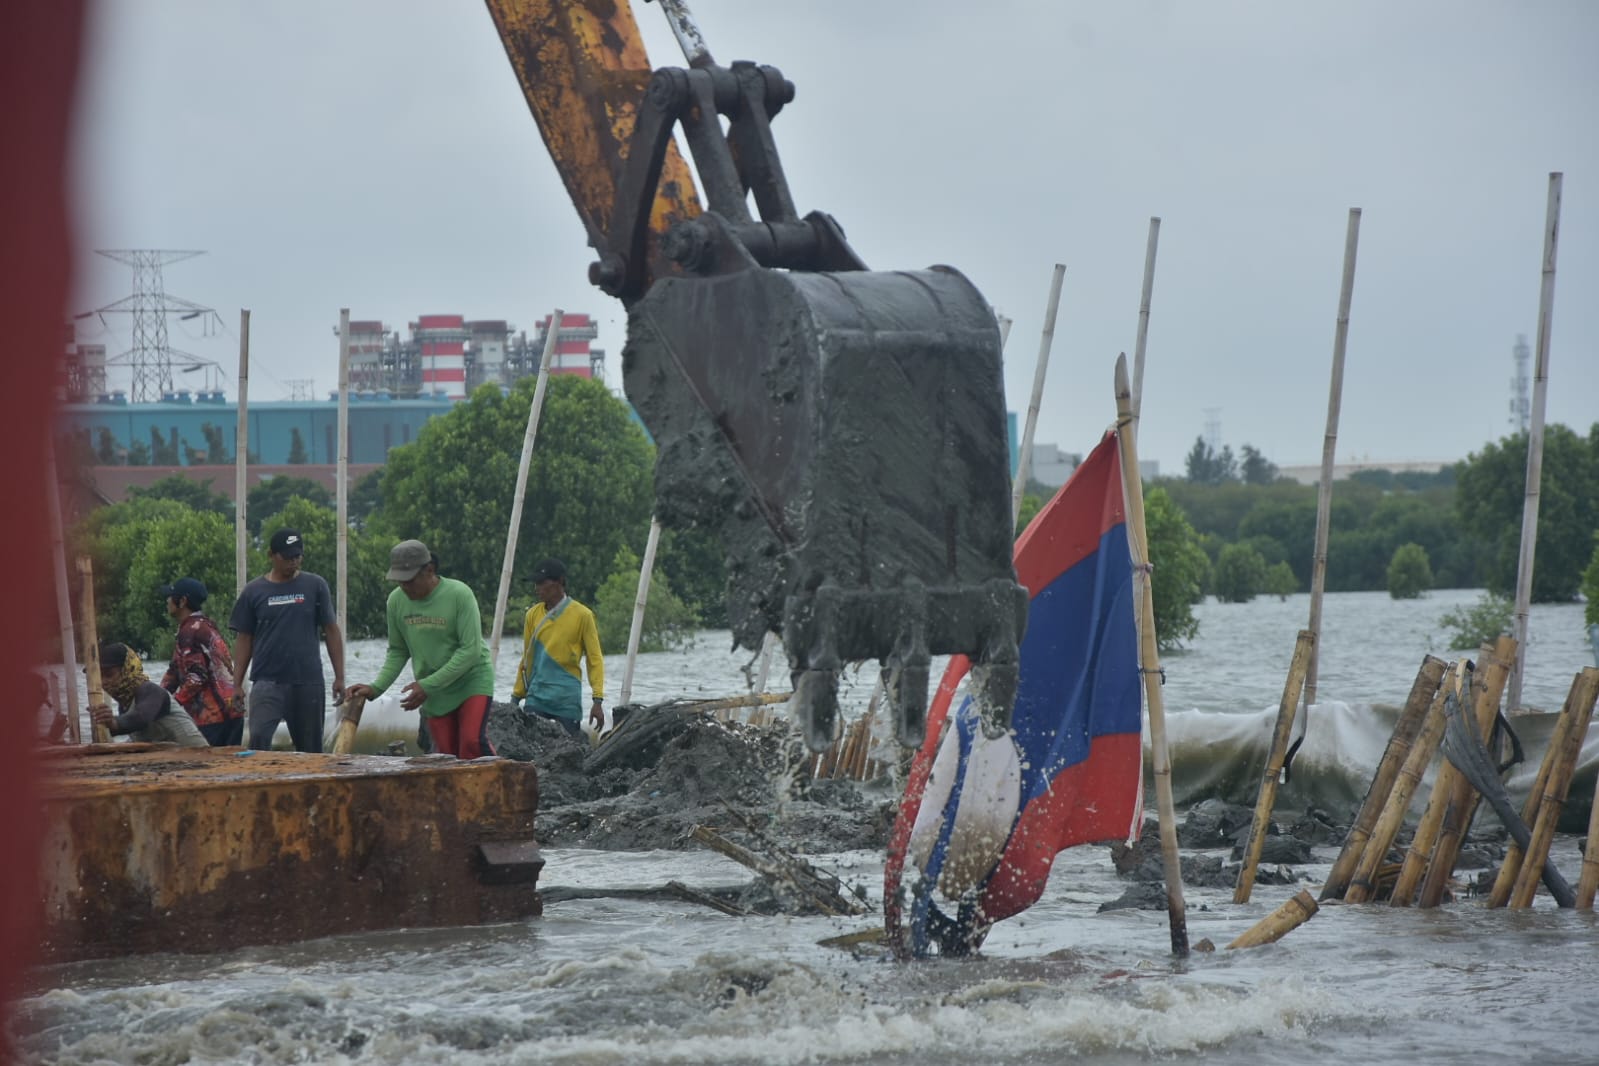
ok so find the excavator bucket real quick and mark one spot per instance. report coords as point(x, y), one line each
point(843, 431)
point(844, 434)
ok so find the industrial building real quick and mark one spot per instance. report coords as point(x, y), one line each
point(396, 384)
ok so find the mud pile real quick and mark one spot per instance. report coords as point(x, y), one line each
point(699, 772)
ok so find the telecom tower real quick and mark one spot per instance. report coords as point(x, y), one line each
point(1520, 399)
point(1213, 429)
point(151, 358)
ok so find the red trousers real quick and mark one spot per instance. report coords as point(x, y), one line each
point(464, 731)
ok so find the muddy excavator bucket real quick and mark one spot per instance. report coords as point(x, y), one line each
point(842, 431)
point(845, 435)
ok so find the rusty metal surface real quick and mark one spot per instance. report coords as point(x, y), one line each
point(206, 849)
point(583, 71)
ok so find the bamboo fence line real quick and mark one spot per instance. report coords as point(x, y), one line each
point(1499, 895)
point(1304, 647)
point(1422, 693)
point(1464, 799)
point(1579, 703)
point(849, 757)
point(1488, 686)
point(1456, 689)
point(1363, 881)
point(1294, 912)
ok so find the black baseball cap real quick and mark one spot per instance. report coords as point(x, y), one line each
point(287, 543)
point(549, 570)
point(191, 588)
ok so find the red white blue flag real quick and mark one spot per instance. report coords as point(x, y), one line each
point(983, 817)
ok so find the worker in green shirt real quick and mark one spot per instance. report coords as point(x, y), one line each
point(434, 623)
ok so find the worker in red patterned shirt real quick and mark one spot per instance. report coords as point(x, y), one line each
point(201, 675)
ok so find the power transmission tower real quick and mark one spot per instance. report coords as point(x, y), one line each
point(301, 388)
point(1213, 428)
point(151, 359)
point(1520, 401)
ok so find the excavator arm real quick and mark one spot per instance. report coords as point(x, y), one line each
point(843, 431)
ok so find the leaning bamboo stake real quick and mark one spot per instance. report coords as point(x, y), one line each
point(635, 632)
point(1510, 867)
point(1024, 457)
point(1149, 657)
point(1540, 388)
point(1588, 883)
point(1298, 909)
point(90, 644)
point(1143, 316)
point(241, 460)
point(1487, 686)
point(515, 528)
point(1363, 882)
point(1406, 729)
point(58, 563)
point(1267, 797)
point(342, 477)
point(1585, 691)
point(349, 721)
point(1318, 569)
point(1464, 799)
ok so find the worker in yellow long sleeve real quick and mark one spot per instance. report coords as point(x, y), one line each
point(557, 635)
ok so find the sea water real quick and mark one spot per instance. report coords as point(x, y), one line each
point(601, 981)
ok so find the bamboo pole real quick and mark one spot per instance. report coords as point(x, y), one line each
point(1487, 685)
point(349, 722)
point(1463, 799)
point(1499, 895)
point(1298, 909)
point(90, 643)
point(1540, 389)
point(1588, 883)
point(1363, 882)
point(1149, 657)
point(58, 563)
point(515, 528)
point(768, 646)
point(636, 631)
point(1318, 569)
point(1267, 797)
point(1143, 315)
point(1585, 691)
point(342, 478)
point(241, 461)
point(1024, 457)
point(1422, 692)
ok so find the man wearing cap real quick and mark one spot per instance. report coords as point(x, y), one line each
point(434, 624)
point(557, 635)
point(200, 677)
point(278, 619)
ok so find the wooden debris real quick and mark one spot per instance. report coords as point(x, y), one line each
point(1279, 923)
point(786, 873)
point(1304, 647)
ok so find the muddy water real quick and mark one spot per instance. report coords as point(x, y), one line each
point(626, 981)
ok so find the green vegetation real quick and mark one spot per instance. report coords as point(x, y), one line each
point(1471, 627)
point(1409, 573)
point(1233, 528)
point(1240, 574)
point(1180, 569)
point(669, 623)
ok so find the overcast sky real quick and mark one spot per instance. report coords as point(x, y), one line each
point(378, 155)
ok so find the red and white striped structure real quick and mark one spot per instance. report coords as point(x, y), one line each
point(443, 341)
point(572, 353)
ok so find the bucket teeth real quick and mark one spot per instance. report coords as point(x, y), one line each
point(815, 704)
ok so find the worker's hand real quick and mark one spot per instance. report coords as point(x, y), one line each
point(412, 697)
point(339, 691)
point(101, 714)
point(360, 692)
point(241, 702)
point(597, 715)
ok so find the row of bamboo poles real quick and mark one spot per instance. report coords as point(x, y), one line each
point(1470, 694)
